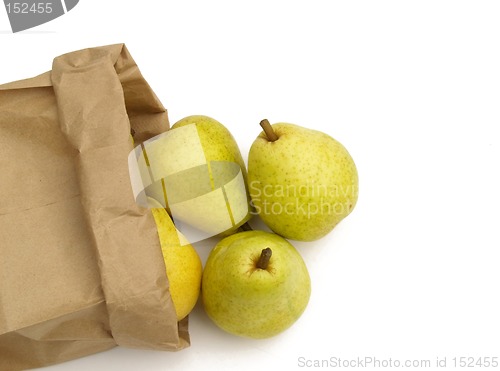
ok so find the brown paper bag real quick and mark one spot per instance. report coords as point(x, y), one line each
point(81, 268)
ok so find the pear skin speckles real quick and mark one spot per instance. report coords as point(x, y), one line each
point(303, 184)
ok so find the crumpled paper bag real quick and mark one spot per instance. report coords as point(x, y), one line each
point(81, 268)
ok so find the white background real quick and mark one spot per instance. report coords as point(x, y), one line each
point(412, 89)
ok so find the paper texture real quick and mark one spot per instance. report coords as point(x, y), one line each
point(81, 268)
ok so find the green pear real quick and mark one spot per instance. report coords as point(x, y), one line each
point(199, 176)
point(302, 181)
point(255, 284)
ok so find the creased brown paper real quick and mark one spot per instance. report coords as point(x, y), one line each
point(81, 268)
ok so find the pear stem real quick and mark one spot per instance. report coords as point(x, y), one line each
point(246, 227)
point(265, 256)
point(268, 129)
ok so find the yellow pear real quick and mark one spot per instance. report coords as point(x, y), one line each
point(255, 284)
point(194, 167)
point(302, 182)
point(224, 160)
point(182, 262)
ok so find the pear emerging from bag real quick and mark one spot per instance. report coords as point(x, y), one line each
point(182, 262)
point(199, 175)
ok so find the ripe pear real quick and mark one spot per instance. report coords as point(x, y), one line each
point(182, 262)
point(255, 284)
point(203, 176)
point(302, 182)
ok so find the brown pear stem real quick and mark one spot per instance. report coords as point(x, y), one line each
point(246, 227)
point(265, 255)
point(268, 129)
